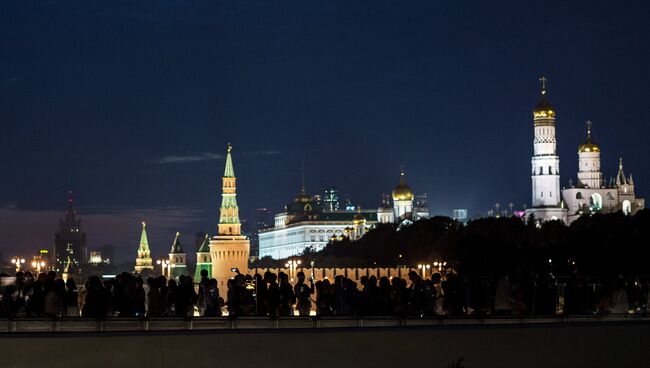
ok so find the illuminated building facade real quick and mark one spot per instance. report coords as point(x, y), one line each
point(592, 194)
point(546, 197)
point(229, 248)
point(70, 242)
point(309, 221)
point(143, 261)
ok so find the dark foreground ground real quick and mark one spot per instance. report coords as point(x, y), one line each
point(552, 342)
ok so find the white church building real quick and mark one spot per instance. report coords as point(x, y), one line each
point(591, 194)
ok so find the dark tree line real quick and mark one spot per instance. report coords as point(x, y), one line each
point(602, 244)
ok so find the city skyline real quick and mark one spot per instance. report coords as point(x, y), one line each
point(137, 132)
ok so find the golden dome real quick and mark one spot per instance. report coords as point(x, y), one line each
point(402, 192)
point(358, 219)
point(543, 108)
point(588, 146)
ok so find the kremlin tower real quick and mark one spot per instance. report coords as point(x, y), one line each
point(203, 259)
point(143, 261)
point(229, 248)
point(177, 259)
point(546, 197)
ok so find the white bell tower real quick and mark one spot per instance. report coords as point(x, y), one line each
point(545, 164)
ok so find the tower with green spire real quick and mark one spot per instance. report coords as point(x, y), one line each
point(229, 248)
point(143, 261)
point(229, 216)
point(177, 259)
point(203, 259)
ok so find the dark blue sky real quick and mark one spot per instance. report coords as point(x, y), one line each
point(131, 104)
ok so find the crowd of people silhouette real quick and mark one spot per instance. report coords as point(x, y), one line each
point(273, 295)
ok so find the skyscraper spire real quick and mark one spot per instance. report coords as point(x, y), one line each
point(229, 213)
point(143, 261)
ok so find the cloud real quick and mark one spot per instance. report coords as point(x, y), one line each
point(207, 156)
point(188, 159)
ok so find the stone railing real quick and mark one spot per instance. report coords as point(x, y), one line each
point(76, 325)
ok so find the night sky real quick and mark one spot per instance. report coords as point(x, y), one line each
point(131, 104)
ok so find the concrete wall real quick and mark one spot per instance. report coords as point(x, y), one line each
point(587, 345)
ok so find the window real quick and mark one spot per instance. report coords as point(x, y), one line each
point(627, 207)
point(579, 195)
point(596, 202)
point(541, 170)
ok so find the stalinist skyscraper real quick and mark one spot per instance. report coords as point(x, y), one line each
point(545, 172)
point(229, 249)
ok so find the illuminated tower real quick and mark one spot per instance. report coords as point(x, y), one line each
point(70, 242)
point(589, 174)
point(546, 197)
point(143, 261)
point(177, 259)
point(229, 249)
point(402, 199)
point(203, 259)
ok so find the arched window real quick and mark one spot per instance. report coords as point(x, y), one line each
point(627, 207)
point(550, 170)
point(596, 202)
point(579, 195)
point(541, 170)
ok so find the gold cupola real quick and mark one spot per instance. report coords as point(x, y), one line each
point(544, 108)
point(402, 192)
point(588, 146)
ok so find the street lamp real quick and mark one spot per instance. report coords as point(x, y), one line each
point(164, 263)
point(424, 268)
point(292, 265)
point(439, 265)
point(38, 265)
point(18, 261)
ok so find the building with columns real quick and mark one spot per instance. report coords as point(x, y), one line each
point(591, 193)
point(229, 248)
point(143, 261)
point(309, 222)
point(545, 165)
